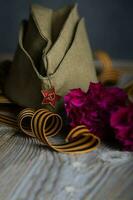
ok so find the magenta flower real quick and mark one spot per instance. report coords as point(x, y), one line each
point(94, 107)
point(122, 123)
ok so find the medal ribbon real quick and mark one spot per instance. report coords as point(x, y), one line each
point(44, 125)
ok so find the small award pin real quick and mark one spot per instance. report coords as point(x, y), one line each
point(50, 97)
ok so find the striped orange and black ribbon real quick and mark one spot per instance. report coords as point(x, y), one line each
point(108, 74)
point(44, 125)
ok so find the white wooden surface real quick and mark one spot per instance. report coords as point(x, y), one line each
point(29, 171)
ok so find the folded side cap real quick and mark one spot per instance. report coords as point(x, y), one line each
point(24, 83)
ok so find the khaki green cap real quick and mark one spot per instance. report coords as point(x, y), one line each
point(53, 49)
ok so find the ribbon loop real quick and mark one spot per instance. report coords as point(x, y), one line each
point(24, 121)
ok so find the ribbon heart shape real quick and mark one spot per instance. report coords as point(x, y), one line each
point(45, 125)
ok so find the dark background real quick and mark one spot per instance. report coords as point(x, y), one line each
point(109, 23)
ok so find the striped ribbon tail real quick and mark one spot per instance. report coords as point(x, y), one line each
point(4, 100)
point(108, 74)
point(44, 125)
point(11, 121)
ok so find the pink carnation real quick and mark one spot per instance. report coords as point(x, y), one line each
point(122, 122)
point(94, 107)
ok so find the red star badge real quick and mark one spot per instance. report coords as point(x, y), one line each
point(50, 97)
